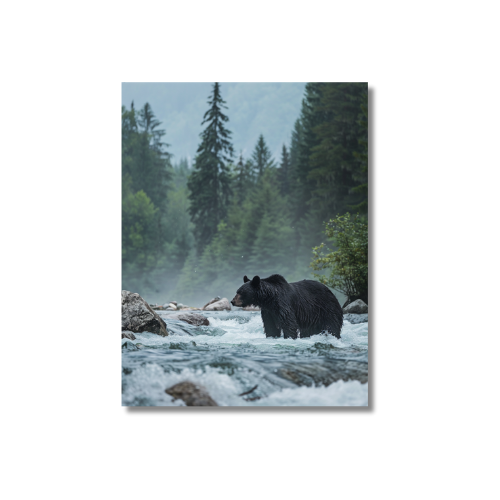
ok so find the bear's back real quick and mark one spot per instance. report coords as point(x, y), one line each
point(316, 297)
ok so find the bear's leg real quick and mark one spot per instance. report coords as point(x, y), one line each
point(290, 329)
point(270, 328)
point(334, 331)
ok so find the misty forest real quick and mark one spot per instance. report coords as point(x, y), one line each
point(191, 231)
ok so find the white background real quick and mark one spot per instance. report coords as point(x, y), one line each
point(432, 430)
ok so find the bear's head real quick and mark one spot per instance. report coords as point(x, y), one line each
point(247, 295)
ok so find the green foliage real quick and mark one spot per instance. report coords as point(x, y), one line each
point(348, 265)
point(210, 183)
point(156, 234)
point(138, 213)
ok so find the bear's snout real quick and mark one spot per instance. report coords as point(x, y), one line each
point(237, 301)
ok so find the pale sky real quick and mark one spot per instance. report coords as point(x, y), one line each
point(253, 109)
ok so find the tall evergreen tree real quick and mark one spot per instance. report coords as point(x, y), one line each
point(209, 184)
point(284, 172)
point(261, 156)
point(335, 169)
point(309, 119)
point(362, 157)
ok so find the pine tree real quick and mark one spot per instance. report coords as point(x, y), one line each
point(284, 172)
point(362, 157)
point(209, 184)
point(309, 119)
point(335, 169)
point(261, 156)
point(155, 172)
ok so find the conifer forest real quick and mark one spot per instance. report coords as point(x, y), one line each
point(192, 230)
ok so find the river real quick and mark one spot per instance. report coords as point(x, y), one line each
point(232, 356)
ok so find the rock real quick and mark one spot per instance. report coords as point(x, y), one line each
point(324, 372)
point(129, 346)
point(220, 305)
point(356, 307)
point(356, 318)
point(215, 299)
point(173, 302)
point(128, 335)
point(138, 317)
point(191, 394)
point(193, 319)
point(156, 307)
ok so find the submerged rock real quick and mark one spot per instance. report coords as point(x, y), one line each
point(220, 305)
point(324, 372)
point(128, 335)
point(193, 319)
point(356, 307)
point(137, 315)
point(191, 394)
point(129, 346)
point(354, 319)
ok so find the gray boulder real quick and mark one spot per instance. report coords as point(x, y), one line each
point(220, 305)
point(191, 394)
point(215, 299)
point(193, 319)
point(356, 307)
point(137, 315)
point(128, 335)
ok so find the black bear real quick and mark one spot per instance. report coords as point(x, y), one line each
point(305, 307)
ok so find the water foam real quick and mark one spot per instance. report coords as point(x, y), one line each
point(234, 359)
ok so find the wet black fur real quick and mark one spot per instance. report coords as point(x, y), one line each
point(306, 306)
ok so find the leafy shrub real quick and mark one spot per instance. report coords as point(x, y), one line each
point(348, 264)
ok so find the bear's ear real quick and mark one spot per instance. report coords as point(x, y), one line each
point(245, 279)
point(256, 281)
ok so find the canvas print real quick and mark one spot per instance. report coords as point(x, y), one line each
point(245, 244)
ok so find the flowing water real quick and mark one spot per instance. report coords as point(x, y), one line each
point(232, 356)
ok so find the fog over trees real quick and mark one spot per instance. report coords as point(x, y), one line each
point(191, 231)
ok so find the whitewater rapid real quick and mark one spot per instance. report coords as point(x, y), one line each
point(232, 355)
